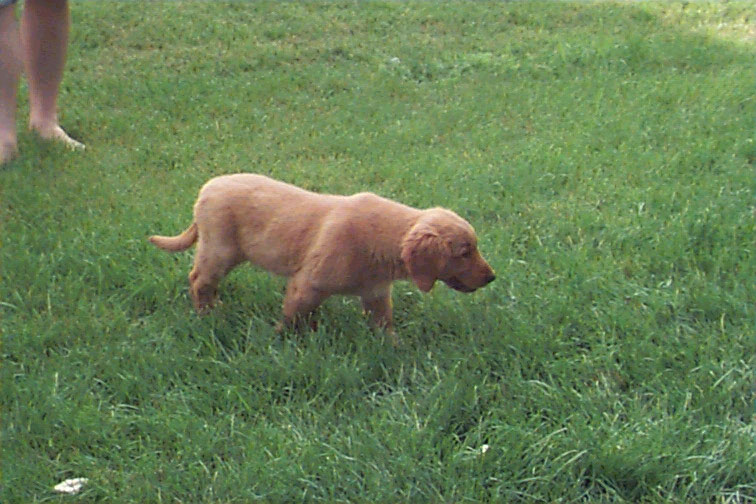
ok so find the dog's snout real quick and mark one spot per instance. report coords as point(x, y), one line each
point(490, 278)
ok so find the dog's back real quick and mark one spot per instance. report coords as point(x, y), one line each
point(271, 223)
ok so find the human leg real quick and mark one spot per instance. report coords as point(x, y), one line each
point(10, 71)
point(44, 38)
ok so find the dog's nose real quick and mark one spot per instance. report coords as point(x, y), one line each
point(490, 278)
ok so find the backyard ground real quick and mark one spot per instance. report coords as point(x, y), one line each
point(603, 151)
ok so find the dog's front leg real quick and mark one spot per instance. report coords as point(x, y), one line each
point(380, 310)
point(300, 301)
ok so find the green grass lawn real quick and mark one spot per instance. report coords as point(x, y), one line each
point(603, 151)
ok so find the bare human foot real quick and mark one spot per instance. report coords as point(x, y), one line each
point(58, 134)
point(9, 148)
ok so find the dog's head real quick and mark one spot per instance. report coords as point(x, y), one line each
point(443, 246)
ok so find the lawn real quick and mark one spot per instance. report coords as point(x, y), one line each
point(603, 151)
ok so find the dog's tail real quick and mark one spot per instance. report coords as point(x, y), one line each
point(176, 243)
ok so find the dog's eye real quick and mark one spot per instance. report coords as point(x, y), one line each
point(466, 253)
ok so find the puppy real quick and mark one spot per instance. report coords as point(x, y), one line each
point(325, 244)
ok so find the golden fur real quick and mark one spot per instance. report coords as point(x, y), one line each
point(325, 244)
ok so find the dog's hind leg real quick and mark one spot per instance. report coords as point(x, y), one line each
point(209, 268)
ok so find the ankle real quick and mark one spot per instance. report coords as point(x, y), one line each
point(8, 149)
point(44, 128)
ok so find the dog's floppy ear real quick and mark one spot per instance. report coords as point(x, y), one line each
point(424, 254)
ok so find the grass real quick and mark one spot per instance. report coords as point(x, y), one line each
point(603, 151)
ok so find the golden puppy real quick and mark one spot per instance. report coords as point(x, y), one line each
point(325, 244)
